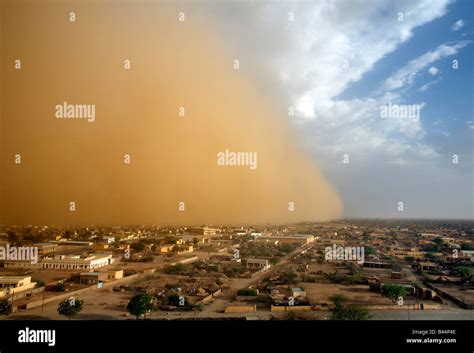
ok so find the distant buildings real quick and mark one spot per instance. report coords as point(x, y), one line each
point(207, 231)
point(299, 239)
point(47, 248)
point(402, 253)
point(377, 264)
point(297, 292)
point(72, 243)
point(467, 254)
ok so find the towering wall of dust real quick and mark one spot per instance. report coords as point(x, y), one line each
point(173, 158)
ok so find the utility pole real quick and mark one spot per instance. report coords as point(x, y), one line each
point(42, 302)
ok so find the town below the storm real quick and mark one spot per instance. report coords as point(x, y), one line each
point(343, 270)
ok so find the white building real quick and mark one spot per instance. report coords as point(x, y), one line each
point(65, 262)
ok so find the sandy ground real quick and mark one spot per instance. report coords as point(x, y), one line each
point(319, 293)
point(467, 296)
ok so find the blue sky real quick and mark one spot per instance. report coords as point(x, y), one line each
point(449, 106)
point(450, 97)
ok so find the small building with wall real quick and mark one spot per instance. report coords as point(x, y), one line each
point(257, 264)
point(115, 274)
point(92, 277)
point(167, 248)
point(298, 292)
point(101, 247)
point(10, 285)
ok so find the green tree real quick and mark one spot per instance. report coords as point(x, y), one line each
point(5, 307)
point(138, 246)
point(174, 269)
point(438, 241)
point(307, 278)
point(291, 277)
point(338, 299)
point(274, 260)
point(431, 256)
point(393, 291)
point(247, 292)
point(70, 307)
point(39, 283)
point(464, 271)
point(12, 237)
point(199, 306)
point(287, 248)
point(369, 250)
point(178, 301)
point(354, 279)
point(140, 304)
point(60, 287)
point(342, 311)
point(355, 312)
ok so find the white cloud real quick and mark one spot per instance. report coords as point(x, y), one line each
point(433, 70)
point(407, 74)
point(426, 86)
point(457, 25)
point(305, 105)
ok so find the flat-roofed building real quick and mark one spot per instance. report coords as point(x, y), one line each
point(26, 264)
point(72, 242)
point(65, 262)
point(47, 248)
point(402, 253)
point(101, 247)
point(185, 249)
point(117, 274)
point(257, 264)
point(426, 266)
point(10, 285)
point(167, 248)
point(377, 264)
point(203, 230)
point(298, 292)
point(92, 277)
point(468, 254)
point(108, 239)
